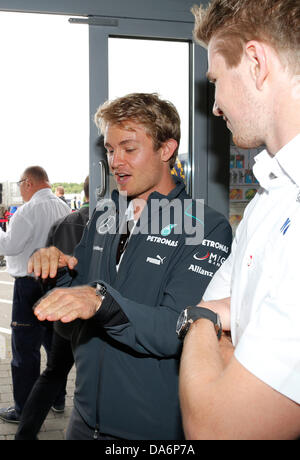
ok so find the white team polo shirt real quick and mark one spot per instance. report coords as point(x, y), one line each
point(262, 275)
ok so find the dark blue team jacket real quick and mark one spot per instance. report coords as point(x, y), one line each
point(127, 369)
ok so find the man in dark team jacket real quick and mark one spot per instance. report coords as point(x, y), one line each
point(67, 232)
point(121, 313)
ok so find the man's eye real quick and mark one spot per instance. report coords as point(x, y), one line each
point(130, 150)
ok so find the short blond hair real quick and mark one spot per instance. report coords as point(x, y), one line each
point(159, 117)
point(235, 22)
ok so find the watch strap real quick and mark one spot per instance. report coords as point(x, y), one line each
point(109, 313)
point(194, 313)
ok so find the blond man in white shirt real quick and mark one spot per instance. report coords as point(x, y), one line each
point(28, 230)
point(252, 390)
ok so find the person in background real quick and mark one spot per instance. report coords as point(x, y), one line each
point(68, 231)
point(74, 203)
point(60, 193)
point(65, 235)
point(254, 393)
point(28, 230)
point(3, 224)
point(134, 270)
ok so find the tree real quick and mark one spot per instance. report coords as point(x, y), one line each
point(70, 187)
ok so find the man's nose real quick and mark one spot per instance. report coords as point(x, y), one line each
point(117, 159)
point(217, 111)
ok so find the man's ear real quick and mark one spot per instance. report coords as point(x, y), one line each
point(167, 149)
point(257, 54)
point(28, 183)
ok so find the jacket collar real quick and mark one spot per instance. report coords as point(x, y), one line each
point(175, 192)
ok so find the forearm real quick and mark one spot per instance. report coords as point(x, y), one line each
point(225, 402)
point(226, 348)
point(201, 366)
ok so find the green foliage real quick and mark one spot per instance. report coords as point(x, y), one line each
point(70, 187)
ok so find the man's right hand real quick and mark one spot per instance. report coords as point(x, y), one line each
point(46, 261)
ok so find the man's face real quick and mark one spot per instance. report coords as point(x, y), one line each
point(24, 189)
point(137, 168)
point(235, 99)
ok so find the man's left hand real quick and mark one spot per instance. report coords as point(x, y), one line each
point(68, 304)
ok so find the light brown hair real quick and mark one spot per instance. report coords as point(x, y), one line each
point(37, 173)
point(236, 22)
point(60, 189)
point(159, 117)
point(86, 187)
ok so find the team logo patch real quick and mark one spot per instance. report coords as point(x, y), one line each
point(200, 270)
point(285, 226)
point(158, 239)
point(210, 257)
point(167, 230)
point(197, 257)
point(106, 222)
point(158, 261)
point(187, 212)
point(104, 225)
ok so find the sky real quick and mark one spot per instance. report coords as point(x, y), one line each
point(44, 90)
point(44, 94)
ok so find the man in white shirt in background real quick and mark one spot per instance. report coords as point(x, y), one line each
point(254, 63)
point(28, 230)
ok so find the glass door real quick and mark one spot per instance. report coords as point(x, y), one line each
point(151, 56)
point(146, 65)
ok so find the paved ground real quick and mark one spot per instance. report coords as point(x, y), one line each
point(55, 424)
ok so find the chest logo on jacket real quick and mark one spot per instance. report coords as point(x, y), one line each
point(212, 258)
point(285, 226)
point(158, 261)
point(106, 222)
point(167, 230)
point(158, 239)
point(196, 256)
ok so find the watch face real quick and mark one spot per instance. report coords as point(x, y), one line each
point(181, 322)
point(101, 290)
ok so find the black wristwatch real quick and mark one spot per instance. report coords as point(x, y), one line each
point(191, 314)
point(100, 292)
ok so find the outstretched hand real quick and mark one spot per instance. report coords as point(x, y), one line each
point(46, 261)
point(68, 304)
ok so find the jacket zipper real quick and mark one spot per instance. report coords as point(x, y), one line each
point(96, 432)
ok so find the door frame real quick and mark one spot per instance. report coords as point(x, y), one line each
point(169, 30)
